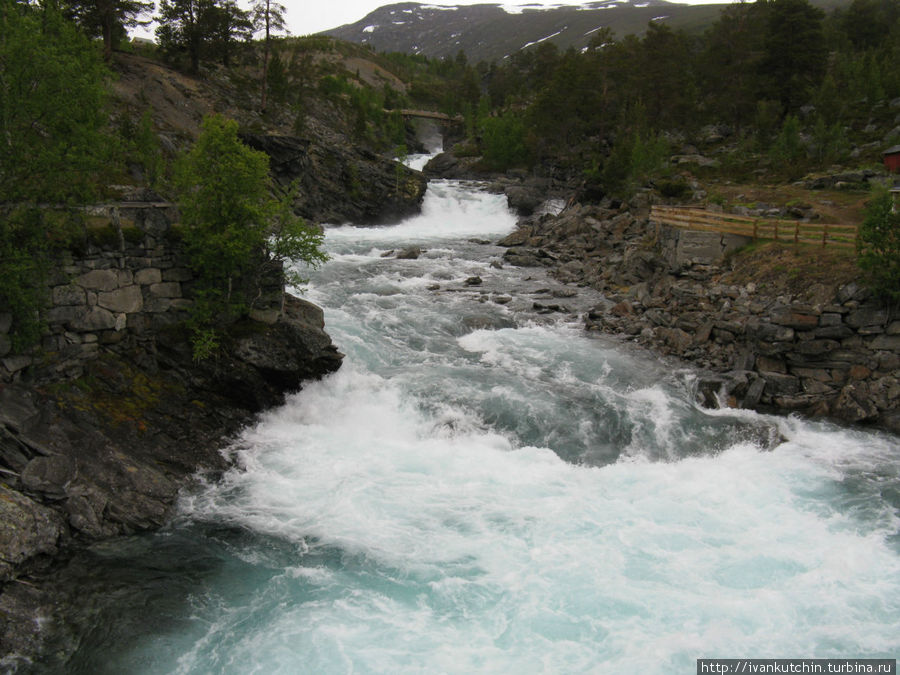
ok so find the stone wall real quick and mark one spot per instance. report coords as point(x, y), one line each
point(107, 453)
point(128, 281)
point(690, 247)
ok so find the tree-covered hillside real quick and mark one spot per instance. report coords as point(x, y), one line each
point(82, 122)
point(786, 88)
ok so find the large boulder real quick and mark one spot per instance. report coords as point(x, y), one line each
point(294, 349)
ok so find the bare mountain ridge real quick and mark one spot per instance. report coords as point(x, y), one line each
point(490, 32)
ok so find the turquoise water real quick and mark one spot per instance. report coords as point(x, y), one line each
point(481, 489)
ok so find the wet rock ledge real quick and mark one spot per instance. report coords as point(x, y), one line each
point(102, 427)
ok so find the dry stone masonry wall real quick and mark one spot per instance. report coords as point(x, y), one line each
point(127, 283)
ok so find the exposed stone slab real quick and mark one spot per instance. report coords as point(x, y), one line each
point(49, 475)
point(868, 316)
point(99, 280)
point(166, 289)
point(886, 342)
point(793, 318)
point(780, 385)
point(65, 314)
point(128, 299)
point(147, 276)
point(698, 247)
point(70, 294)
point(16, 363)
point(766, 364)
point(95, 319)
point(27, 529)
point(854, 405)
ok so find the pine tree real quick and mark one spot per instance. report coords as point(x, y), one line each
point(109, 19)
point(268, 16)
point(52, 107)
point(795, 51)
point(181, 28)
point(201, 29)
point(53, 147)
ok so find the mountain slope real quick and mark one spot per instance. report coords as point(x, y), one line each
point(490, 32)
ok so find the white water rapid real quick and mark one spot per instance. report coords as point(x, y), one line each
point(484, 489)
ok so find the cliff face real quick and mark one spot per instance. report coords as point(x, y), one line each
point(102, 427)
point(339, 180)
point(340, 183)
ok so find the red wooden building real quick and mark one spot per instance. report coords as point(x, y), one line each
point(892, 159)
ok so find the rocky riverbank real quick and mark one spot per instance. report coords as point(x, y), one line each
point(101, 427)
point(828, 350)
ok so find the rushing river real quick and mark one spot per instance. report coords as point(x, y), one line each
point(485, 488)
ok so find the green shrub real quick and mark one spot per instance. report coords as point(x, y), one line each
point(503, 143)
point(878, 246)
point(787, 152)
point(633, 160)
point(673, 189)
point(829, 142)
point(234, 230)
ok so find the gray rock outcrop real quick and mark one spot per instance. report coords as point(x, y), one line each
point(340, 184)
point(836, 355)
point(101, 428)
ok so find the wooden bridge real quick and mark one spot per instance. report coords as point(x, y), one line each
point(431, 115)
point(798, 232)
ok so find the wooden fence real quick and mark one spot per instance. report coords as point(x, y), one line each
point(823, 234)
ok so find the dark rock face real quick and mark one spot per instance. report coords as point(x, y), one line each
point(294, 349)
point(340, 184)
point(101, 429)
point(524, 200)
point(110, 459)
point(448, 165)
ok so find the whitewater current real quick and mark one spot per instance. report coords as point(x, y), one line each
point(485, 488)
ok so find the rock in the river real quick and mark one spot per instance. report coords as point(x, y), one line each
point(409, 253)
point(524, 199)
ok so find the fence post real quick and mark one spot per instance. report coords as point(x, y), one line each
point(796, 233)
point(754, 229)
point(776, 230)
point(824, 234)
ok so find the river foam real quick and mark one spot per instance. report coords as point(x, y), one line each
point(479, 492)
point(423, 546)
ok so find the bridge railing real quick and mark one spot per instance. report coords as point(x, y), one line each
point(431, 115)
